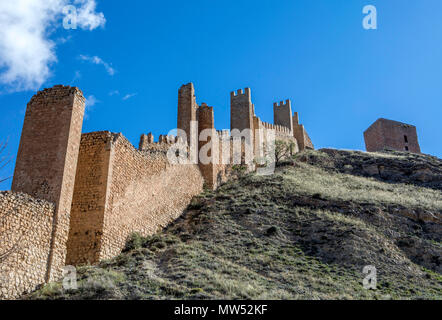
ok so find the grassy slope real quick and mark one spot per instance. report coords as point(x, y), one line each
point(303, 233)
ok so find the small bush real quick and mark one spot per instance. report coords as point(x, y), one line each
point(284, 151)
point(272, 230)
point(135, 241)
point(195, 204)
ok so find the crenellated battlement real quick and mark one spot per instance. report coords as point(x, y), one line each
point(282, 114)
point(204, 107)
point(145, 141)
point(246, 92)
point(241, 109)
point(58, 92)
point(278, 128)
point(282, 104)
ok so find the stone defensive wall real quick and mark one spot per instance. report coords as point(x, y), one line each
point(120, 190)
point(77, 197)
point(282, 133)
point(26, 227)
point(301, 135)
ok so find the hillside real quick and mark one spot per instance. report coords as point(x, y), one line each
point(305, 232)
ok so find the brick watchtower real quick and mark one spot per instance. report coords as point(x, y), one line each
point(384, 133)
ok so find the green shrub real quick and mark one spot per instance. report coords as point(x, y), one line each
point(135, 241)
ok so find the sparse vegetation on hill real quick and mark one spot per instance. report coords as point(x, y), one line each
point(305, 232)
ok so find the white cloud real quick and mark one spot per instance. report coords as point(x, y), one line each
point(128, 96)
point(89, 103)
point(63, 40)
point(87, 18)
point(113, 93)
point(76, 77)
point(26, 49)
point(99, 61)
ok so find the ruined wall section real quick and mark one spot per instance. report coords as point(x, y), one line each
point(47, 159)
point(26, 227)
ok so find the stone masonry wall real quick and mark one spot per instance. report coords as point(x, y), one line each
point(120, 190)
point(146, 193)
point(89, 201)
point(282, 133)
point(299, 132)
point(25, 236)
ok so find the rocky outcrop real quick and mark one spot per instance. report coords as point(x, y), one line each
point(390, 166)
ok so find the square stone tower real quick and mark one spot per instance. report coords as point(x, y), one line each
point(187, 108)
point(241, 110)
point(384, 133)
point(187, 116)
point(47, 159)
point(282, 113)
point(206, 121)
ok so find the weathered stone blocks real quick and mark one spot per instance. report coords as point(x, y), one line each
point(25, 236)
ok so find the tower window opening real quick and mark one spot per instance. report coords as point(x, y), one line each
point(406, 148)
point(406, 139)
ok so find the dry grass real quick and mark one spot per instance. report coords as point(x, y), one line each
point(338, 186)
point(249, 240)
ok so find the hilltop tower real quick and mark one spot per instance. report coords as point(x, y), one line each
point(384, 133)
point(47, 158)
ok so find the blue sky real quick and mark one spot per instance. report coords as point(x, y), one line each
point(340, 77)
